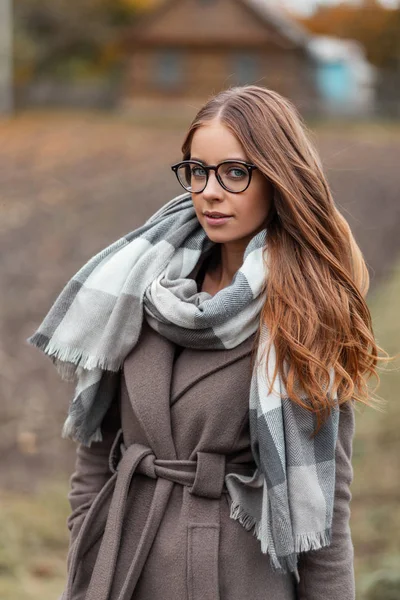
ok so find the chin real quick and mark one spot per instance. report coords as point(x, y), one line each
point(218, 237)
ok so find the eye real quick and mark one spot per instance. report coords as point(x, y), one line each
point(237, 172)
point(197, 172)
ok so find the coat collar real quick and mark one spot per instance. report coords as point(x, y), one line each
point(200, 364)
point(148, 373)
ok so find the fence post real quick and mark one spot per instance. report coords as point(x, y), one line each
point(6, 62)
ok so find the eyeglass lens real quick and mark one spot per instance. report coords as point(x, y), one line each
point(193, 177)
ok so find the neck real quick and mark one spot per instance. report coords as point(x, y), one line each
point(229, 260)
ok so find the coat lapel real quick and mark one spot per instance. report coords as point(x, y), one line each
point(199, 364)
point(147, 372)
point(151, 388)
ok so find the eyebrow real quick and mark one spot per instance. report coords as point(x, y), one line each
point(204, 162)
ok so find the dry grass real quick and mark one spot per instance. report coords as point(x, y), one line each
point(375, 516)
point(33, 543)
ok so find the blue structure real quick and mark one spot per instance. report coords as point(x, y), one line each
point(344, 78)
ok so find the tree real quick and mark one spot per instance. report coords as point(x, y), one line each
point(374, 26)
point(50, 33)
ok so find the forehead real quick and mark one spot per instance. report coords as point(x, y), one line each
point(214, 142)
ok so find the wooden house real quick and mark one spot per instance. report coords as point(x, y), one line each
point(187, 50)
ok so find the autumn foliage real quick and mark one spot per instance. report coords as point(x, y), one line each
point(71, 40)
point(377, 28)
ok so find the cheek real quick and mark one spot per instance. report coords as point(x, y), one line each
point(257, 206)
point(196, 206)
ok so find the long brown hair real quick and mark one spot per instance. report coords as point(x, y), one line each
point(315, 307)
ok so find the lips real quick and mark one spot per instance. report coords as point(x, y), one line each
point(216, 221)
point(215, 214)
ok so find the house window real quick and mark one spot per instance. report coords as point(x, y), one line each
point(245, 67)
point(168, 71)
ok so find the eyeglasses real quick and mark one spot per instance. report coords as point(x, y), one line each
point(233, 175)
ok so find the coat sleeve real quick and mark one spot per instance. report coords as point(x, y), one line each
point(329, 572)
point(92, 470)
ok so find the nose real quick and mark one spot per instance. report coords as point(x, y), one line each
point(213, 190)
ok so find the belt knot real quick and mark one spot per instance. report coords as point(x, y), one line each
point(119, 452)
point(204, 476)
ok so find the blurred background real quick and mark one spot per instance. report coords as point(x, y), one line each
point(95, 98)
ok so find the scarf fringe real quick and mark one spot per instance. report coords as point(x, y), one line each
point(78, 358)
point(70, 431)
point(239, 514)
point(302, 542)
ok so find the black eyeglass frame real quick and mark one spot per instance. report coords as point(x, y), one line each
point(250, 167)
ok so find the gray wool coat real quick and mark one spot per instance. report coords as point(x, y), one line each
point(150, 516)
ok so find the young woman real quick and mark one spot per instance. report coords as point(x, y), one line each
point(219, 350)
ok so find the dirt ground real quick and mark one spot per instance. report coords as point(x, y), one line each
point(71, 183)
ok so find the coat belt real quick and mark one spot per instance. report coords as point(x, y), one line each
point(203, 477)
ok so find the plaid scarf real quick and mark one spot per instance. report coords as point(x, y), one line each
point(96, 320)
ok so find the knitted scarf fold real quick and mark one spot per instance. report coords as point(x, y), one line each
point(96, 321)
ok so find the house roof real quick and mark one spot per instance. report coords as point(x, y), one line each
point(266, 12)
point(275, 16)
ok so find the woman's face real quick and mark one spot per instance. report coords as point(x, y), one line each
point(212, 143)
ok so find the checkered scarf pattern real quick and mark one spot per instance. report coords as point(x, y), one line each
point(96, 320)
